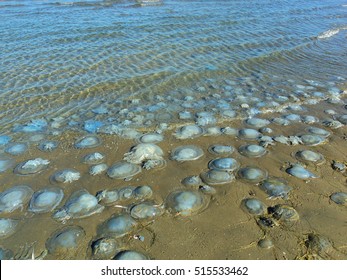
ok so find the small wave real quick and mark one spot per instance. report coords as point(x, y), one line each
point(328, 34)
point(331, 32)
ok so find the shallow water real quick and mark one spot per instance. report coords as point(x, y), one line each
point(67, 58)
point(71, 69)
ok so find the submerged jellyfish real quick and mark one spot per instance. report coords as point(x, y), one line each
point(5, 163)
point(253, 206)
point(105, 248)
point(98, 169)
point(221, 149)
point(87, 142)
point(81, 204)
point(312, 139)
point(93, 158)
point(217, 177)
point(65, 239)
point(249, 134)
point(285, 214)
point(339, 198)
point(189, 131)
point(151, 138)
point(309, 156)
point(16, 149)
point(257, 122)
point(123, 170)
point(7, 227)
point(146, 210)
point(143, 152)
point(48, 145)
point(276, 187)
point(224, 164)
point(252, 174)
point(4, 140)
point(186, 153)
point(252, 151)
point(186, 202)
point(31, 166)
point(117, 226)
point(14, 198)
point(46, 200)
point(130, 255)
point(66, 176)
point(300, 172)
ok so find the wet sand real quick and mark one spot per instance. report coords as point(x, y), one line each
point(223, 230)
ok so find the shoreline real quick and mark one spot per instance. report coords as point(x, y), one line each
point(223, 230)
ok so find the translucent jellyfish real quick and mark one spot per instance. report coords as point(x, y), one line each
point(252, 151)
point(123, 170)
point(318, 246)
point(217, 177)
point(46, 200)
point(221, 149)
point(309, 119)
point(36, 125)
point(146, 210)
point(339, 198)
point(105, 248)
point(276, 187)
point(6, 254)
point(208, 190)
point(14, 198)
point(312, 139)
point(342, 119)
point(281, 121)
point(4, 140)
point(318, 131)
point(186, 153)
point(265, 243)
point(126, 193)
point(297, 170)
point(151, 138)
point(66, 176)
point(224, 164)
point(205, 118)
point(309, 156)
point(93, 158)
point(249, 134)
point(252, 174)
point(284, 214)
point(87, 142)
point(192, 181)
point(189, 131)
point(265, 130)
point(117, 226)
point(64, 240)
point(213, 131)
point(108, 197)
point(16, 149)
point(31, 166)
point(253, 206)
point(230, 131)
point(48, 145)
point(130, 255)
point(186, 202)
point(7, 227)
point(98, 169)
point(143, 152)
point(6, 163)
point(333, 124)
point(80, 204)
point(143, 192)
point(293, 117)
point(257, 122)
